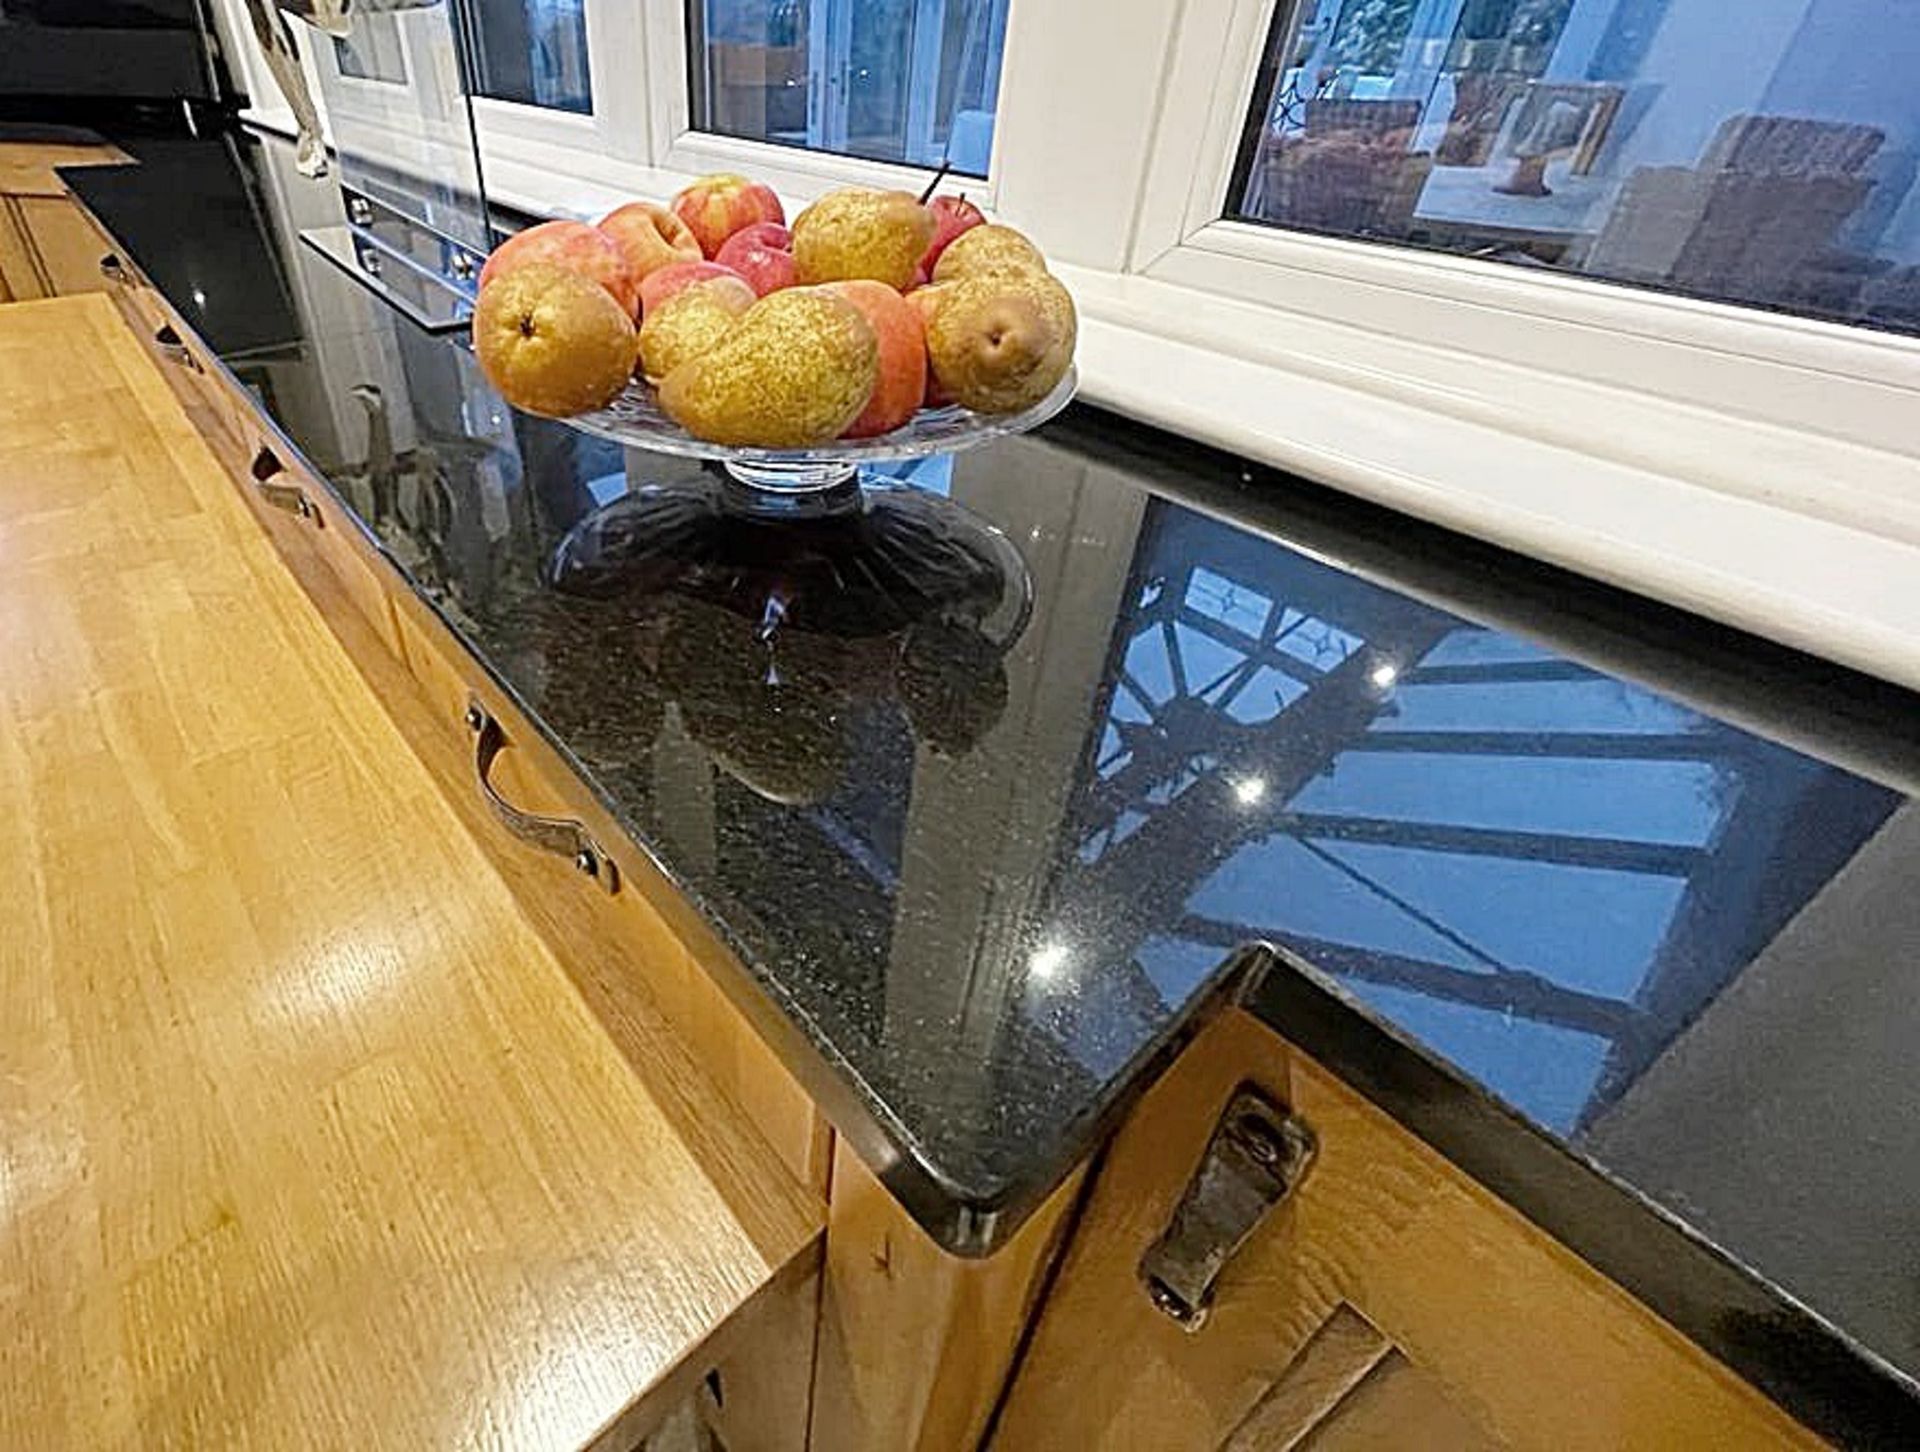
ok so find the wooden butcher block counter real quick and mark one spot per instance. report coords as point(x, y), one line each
point(305, 1137)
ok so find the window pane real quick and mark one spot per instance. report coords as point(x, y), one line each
point(912, 81)
point(1761, 153)
point(372, 52)
point(532, 51)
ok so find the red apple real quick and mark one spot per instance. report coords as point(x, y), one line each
point(902, 380)
point(650, 237)
point(715, 207)
point(925, 301)
point(662, 283)
point(762, 254)
point(574, 246)
point(952, 215)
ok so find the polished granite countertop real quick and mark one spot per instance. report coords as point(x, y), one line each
point(1000, 780)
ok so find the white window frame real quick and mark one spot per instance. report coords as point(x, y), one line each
point(1787, 370)
point(1760, 468)
point(790, 170)
point(616, 126)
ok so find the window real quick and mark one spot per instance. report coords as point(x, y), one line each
point(1762, 155)
point(1404, 276)
point(533, 52)
point(372, 51)
point(910, 81)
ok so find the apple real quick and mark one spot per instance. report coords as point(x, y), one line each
point(762, 254)
point(553, 341)
point(656, 287)
point(952, 215)
point(926, 301)
point(576, 247)
point(901, 383)
point(715, 207)
point(650, 237)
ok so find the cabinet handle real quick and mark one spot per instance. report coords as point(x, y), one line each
point(113, 269)
point(174, 349)
point(561, 835)
point(1256, 1158)
point(290, 497)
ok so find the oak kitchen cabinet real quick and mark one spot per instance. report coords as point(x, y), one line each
point(1379, 1297)
point(1382, 1289)
point(295, 1158)
point(49, 247)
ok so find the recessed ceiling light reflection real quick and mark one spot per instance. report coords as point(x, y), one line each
point(1047, 961)
point(1384, 675)
point(1249, 790)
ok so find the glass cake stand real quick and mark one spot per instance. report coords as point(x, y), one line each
point(636, 420)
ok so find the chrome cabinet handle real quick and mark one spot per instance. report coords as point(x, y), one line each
point(174, 349)
point(114, 270)
point(561, 835)
point(266, 469)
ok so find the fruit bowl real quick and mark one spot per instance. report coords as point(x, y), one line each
point(635, 420)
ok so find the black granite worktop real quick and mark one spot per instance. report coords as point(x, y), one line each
point(994, 785)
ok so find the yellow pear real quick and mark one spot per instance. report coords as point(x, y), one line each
point(1001, 341)
point(690, 322)
point(989, 248)
point(796, 369)
point(856, 232)
point(553, 342)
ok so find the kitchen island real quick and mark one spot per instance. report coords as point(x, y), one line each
point(1607, 907)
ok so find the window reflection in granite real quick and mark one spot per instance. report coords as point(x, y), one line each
point(1542, 872)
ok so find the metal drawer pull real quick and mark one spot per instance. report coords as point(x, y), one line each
point(113, 269)
point(290, 497)
point(1257, 1156)
point(561, 835)
point(174, 349)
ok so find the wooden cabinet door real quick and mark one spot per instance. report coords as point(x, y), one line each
point(48, 248)
point(1386, 1302)
point(68, 246)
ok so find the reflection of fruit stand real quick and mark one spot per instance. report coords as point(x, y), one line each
point(773, 633)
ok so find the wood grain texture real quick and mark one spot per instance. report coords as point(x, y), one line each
point(1530, 1346)
point(20, 268)
point(637, 968)
point(1341, 1355)
point(67, 243)
point(916, 1344)
point(308, 1139)
point(1395, 1407)
point(617, 950)
point(27, 167)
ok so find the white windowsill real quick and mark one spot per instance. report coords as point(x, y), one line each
point(1804, 539)
point(1827, 587)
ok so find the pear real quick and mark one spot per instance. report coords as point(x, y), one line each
point(1001, 341)
point(796, 369)
point(552, 341)
point(990, 248)
point(690, 322)
point(856, 232)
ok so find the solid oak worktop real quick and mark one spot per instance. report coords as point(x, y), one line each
point(1610, 906)
point(305, 1137)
